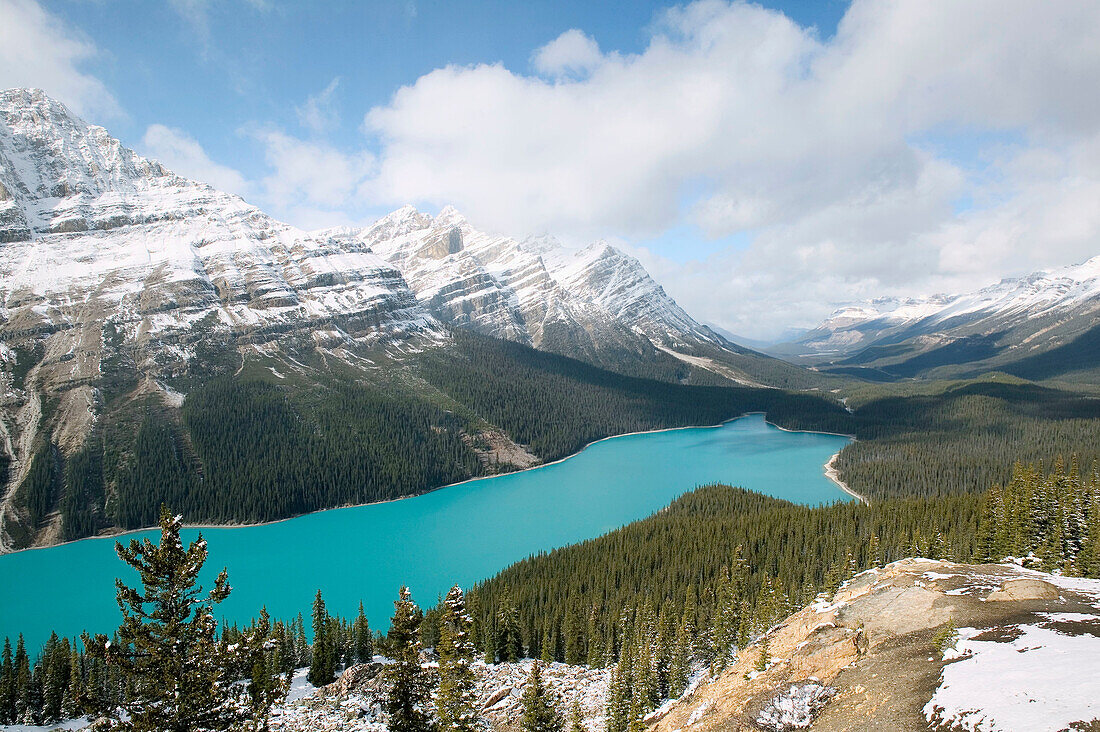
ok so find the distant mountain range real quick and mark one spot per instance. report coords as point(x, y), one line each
point(1042, 326)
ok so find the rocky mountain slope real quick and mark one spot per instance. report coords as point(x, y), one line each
point(597, 304)
point(919, 644)
point(125, 287)
point(1044, 325)
point(112, 263)
point(915, 645)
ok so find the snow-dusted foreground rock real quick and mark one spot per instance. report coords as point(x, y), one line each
point(1026, 657)
point(353, 702)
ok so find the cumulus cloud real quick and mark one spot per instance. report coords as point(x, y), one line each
point(185, 156)
point(572, 52)
point(736, 119)
point(308, 176)
point(37, 49)
point(318, 113)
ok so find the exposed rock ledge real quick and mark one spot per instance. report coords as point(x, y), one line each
point(1025, 648)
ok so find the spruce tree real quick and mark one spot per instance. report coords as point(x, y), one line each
point(539, 711)
point(322, 667)
point(680, 664)
point(456, 700)
point(22, 685)
point(509, 644)
point(409, 695)
point(575, 647)
point(7, 685)
point(75, 694)
point(364, 642)
point(177, 674)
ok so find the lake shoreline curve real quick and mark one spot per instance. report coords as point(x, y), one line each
point(829, 471)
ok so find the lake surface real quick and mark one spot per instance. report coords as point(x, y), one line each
point(463, 533)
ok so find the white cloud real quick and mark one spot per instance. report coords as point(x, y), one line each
point(37, 49)
point(572, 52)
point(318, 114)
point(314, 174)
point(185, 156)
point(734, 118)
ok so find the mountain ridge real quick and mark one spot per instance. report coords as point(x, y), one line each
point(1005, 326)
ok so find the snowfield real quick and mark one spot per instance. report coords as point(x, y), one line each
point(1043, 680)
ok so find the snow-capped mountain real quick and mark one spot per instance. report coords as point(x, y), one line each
point(124, 285)
point(95, 233)
point(108, 257)
point(595, 303)
point(1007, 326)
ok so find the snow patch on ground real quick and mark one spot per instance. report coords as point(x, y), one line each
point(1042, 681)
point(795, 708)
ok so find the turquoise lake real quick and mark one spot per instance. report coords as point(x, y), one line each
point(462, 533)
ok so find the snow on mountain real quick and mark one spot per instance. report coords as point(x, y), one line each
point(1043, 309)
point(108, 257)
point(917, 644)
point(94, 230)
point(535, 291)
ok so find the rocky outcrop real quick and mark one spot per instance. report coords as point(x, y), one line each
point(354, 702)
point(883, 649)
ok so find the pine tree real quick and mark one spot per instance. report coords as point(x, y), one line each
point(645, 695)
point(55, 677)
point(22, 685)
point(409, 695)
point(539, 712)
point(620, 695)
point(575, 645)
point(726, 622)
point(265, 687)
point(764, 658)
point(301, 643)
point(680, 667)
point(75, 694)
point(364, 644)
point(7, 685)
point(509, 644)
point(178, 675)
point(546, 653)
point(456, 700)
point(322, 667)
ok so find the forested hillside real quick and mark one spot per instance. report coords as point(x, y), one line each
point(688, 585)
point(255, 445)
point(677, 562)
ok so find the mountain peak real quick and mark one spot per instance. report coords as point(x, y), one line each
point(449, 215)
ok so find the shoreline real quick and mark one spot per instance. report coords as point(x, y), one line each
point(834, 475)
point(830, 473)
point(830, 467)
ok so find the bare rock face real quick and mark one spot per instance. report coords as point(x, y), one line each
point(1024, 588)
point(354, 702)
point(869, 655)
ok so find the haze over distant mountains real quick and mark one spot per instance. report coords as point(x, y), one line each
point(1043, 325)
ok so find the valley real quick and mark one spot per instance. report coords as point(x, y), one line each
point(418, 403)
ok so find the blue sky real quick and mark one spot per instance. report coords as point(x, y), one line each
point(214, 68)
point(766, 162)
